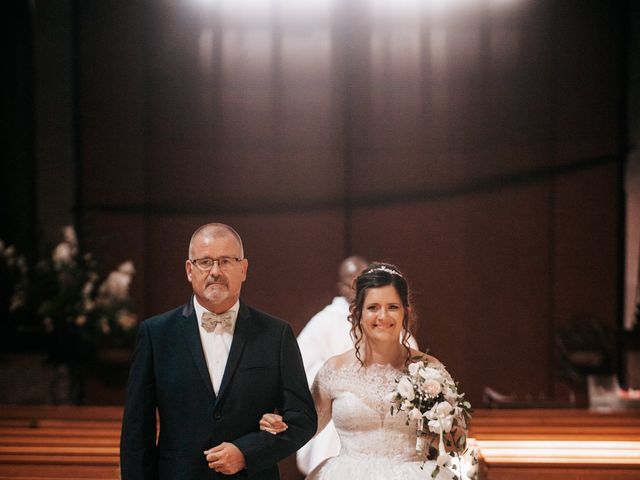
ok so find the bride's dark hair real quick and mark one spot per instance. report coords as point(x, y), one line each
point(375, 276)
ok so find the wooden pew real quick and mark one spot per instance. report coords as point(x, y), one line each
point(38, 413)
point(81, 443)
point(565, 444)
point(47, 443)
point(561, 424)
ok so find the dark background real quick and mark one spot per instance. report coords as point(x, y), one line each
point(479, 145)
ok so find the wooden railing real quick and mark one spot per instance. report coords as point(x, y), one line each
point(47, 443)
point(558, 444)
point(81, 443)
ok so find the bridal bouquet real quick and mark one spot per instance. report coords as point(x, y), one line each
point(427, 395)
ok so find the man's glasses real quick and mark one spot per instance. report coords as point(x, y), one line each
point(224, 263)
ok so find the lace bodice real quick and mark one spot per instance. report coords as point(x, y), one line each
point(360, 407)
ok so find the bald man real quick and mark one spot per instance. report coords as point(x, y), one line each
point(209, 370)
point(325, 335)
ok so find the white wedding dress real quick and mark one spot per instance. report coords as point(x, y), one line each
point(375, 444)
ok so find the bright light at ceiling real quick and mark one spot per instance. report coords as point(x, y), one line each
point(433, 5)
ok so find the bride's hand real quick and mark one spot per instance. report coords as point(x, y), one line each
point(272, 423)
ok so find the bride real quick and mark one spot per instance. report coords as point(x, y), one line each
point(354, 388)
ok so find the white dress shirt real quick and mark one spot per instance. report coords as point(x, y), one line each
point(216, 344)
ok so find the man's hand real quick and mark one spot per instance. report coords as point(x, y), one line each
point(225, 458)
point(272, 423)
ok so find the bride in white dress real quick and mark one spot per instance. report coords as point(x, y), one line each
point(354, 389)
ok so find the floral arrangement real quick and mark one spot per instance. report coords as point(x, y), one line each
point(70, 300)
point(428, 396)
point(14, 270)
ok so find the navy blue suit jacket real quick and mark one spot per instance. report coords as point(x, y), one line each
point(264, 372)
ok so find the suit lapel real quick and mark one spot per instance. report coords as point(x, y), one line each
point(192, 337)
point(240, 335)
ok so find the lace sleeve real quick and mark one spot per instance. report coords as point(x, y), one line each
point(322, 397)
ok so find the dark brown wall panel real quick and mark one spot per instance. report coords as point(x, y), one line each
point(432, 139)
point(589, 64)
point(113, 174)
point(116, 238)
point(586, 245)
point(111, 100)
point(478, 265)
point(246, 178)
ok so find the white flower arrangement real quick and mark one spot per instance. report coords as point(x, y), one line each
point(428, 396)
point(76, 305)
point(14, 268)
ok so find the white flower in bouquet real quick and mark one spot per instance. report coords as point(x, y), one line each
point(450, 395)
point(405, 388)
point(428, 396)
point(414, 368)
point(441, 417)
point(415, 414)
point(432, 387)
point(432, 374)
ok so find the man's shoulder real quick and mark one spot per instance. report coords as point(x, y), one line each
point(261, 317)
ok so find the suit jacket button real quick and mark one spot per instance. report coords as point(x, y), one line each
point(217, 416)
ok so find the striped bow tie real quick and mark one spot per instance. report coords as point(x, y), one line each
point(211, 320)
